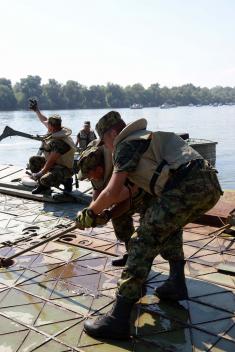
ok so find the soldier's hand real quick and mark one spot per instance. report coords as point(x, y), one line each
point(33, 104)
point(36, 175)
point(85, 219)
point(104, 217)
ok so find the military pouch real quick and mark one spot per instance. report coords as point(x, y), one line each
point(210, 175)
point(176, 176)
point(159, 178)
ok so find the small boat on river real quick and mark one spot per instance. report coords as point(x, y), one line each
point(136, 106)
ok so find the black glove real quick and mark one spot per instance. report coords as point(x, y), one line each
point(33, 104)
point(104, 217)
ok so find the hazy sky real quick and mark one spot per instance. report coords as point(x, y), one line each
point(171, 42)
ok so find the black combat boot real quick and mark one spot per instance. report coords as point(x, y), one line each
point(121, 261)
point(68, 185)
point(115, 324)
point(174, 288)
point(40, 189)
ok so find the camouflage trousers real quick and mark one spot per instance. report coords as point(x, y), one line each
point(56, 176)
point(123, 225)
point(161, 223)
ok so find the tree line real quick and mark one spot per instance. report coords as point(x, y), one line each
point(73, 95)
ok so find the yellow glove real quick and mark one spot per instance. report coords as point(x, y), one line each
point(85, 219)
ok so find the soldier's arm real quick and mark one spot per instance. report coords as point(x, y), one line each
point(119, 209)
point(95, 194)
point(78, 140)
point(53, 157)
point(33, 105)
point(42, 118)
point(114, 192)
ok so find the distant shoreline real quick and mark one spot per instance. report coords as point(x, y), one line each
point(125, 107)
point(72, 95)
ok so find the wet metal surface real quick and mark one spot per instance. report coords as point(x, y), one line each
point(47, 293)
point(22, 218)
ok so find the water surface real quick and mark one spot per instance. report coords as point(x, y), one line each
point(206, 122)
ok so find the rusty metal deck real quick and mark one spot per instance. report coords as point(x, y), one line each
point(49, 292)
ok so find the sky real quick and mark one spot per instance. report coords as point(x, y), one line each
point(170, 42)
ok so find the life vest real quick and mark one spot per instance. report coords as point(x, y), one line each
point(167, 151)
point(108, 169)
point(85, 139)
point(66, 159)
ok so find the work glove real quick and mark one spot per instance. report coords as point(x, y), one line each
point(36, 175)
point(104, 217)
point(33, 104)
point(85, 219)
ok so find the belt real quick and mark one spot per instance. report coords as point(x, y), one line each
point(200, 163)
point(155, 176)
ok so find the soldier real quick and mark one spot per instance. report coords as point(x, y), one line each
point(85, 136)
point(181, 186)
point(96, 165)
point(55, 167)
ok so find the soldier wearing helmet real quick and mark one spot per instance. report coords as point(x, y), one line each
point(55, 166)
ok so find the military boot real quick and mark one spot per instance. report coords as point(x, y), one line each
point(68, 185)
point(40, 189)
point(115, 324)
point(121, 261)
point(174, 288)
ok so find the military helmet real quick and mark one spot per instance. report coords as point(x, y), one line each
point(107, 121)
point(54, 120)
point(89, 160)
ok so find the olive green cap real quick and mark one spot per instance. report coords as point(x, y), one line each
point(89, 160)
point(106, 122)
point(54, 120)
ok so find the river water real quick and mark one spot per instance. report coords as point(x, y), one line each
point(206, 122)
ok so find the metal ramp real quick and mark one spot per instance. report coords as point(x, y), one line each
point(49, 292)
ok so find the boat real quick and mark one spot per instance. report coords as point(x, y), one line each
point(167, 106)
point(136, 106)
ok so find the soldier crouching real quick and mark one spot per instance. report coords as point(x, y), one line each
point(55, 167)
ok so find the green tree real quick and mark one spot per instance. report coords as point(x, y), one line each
point(136, 94)
point(74, 94)
point(26, 88)
point(115, 96)
point(96, 97)
point(203, 96)
point(165, 93)
point(153, 95)
point(7, 97)
point(53, 95)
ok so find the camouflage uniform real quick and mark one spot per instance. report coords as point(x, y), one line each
point(180, 186)
point(58, 174)
point(191, 190)
point(123, 225)
point(187, 195)
point(85, 138)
